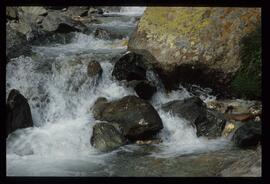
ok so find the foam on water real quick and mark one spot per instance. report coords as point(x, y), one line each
point(179, 138)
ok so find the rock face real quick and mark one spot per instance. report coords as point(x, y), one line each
point(94, 69)
point(16, 44)
point(18, 112)
point(106, 137)
point(248, 135)
point(137, 119)
point(207, 122)
point(195, 45)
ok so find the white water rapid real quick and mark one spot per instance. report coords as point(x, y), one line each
point(60, 95)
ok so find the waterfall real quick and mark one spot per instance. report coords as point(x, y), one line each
point(60, 94)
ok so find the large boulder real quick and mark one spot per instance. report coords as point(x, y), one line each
point(106, 137)
point(18, 112)
point(248, 135)
point(207, 122)
point(16, 44)
point(136, 117)
point(143, 88)
point(56, 22)
point(195, 44)
point(130, 66)
point(133, 68)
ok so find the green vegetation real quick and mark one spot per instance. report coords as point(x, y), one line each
point(247, 82)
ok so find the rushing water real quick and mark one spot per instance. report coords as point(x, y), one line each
point(55, 82)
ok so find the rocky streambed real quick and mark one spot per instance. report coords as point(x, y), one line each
point(80, 104)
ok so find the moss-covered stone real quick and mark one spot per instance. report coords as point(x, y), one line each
point(196, 36)
point(247, 82)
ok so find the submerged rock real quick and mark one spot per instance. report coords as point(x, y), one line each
point(94, 69)
point(248, 135)
point(207, 122)
point(106, 137)
point(137, 118)
point(18, 112)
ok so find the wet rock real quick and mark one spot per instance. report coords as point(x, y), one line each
point(35, 10)
point(93, 10)
point(55, 22)
point(248, 135)
point(108, 33)
point(106, 137)
point(235, 106)
point(207, 122)
point(56, 7)
point(145, 89)
point(250, 165)
point(137, 118)
point(18, 112)
point(81, 11)
point(102, 34)
point(16, 44)
point(94, 69)
point(130, 67)
point(28, 24)
point(11, 13)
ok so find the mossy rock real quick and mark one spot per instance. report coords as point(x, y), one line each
point(247, 81)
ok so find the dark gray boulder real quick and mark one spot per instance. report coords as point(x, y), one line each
point(18, 112)
point(248, 135)
point(130, 66)
point(144, 89)
point(207, 122)
point(137, 118)
point(106, 137)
